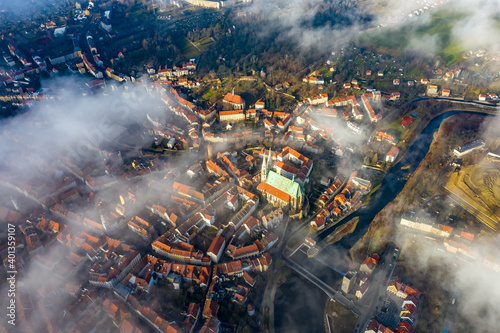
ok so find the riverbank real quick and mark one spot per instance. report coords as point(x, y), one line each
point(427, 110)
point(424, 194)
point(427, 181)
point(379, 204)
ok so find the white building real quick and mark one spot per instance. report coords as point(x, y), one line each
point(468, 148)
point(392, 155)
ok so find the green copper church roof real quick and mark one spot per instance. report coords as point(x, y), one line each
point(284, 184)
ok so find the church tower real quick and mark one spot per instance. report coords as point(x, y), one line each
point(267, 164)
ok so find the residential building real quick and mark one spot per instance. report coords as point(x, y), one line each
point(432, 90)
point(232, 116)
point(318, 222)
point(246, 251)
point(348, 281)
point(362, 289)
point(379, 136)
point(402, 290)
point(259, 105)
point(392, 155)
point(371, 114)
point(113, 264)
point(251, 114)
point(356, 114)
point(316, 100)
point(216, 248)
point(299, 174)
point(314, 80)
point(445, 92)
point(375, 327)
point(369, 264)
point(283, 124)
point(141, 227)
point(395, 96)
point(272, 219)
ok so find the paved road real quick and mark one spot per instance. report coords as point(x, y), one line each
point(327, 289)
point(370, 304)
point(268, 302)
point(454, 100)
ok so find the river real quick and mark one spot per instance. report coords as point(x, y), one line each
point(293, 316)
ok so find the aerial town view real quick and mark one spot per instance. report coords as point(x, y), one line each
point(295, 166)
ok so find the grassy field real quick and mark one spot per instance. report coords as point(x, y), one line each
point(398, 130)
point(478, 187)
point(187, 49)
point(325, 72)
point(292, 243)
point(437, 29)
point(193, 50)
point(205, 43)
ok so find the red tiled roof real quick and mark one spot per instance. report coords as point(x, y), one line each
point(231, 112)
point(467, 236)
point(216, 245)
point(393, 152)
point(286, 167)
point(248, 278)
point(235, 99)
point(406, 121)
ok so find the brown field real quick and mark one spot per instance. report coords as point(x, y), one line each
point(477, 189)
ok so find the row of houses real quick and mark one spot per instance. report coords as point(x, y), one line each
point(330, 192)
point(351, 194)
point(408, 312)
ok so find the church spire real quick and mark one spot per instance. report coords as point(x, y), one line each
point(266, 165)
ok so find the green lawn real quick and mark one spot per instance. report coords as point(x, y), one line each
point(397, 129)
point(187, 49)
point(439, 27)
point(205, 43)
point(208, 94)
point(325, 72)
point(452, 53)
